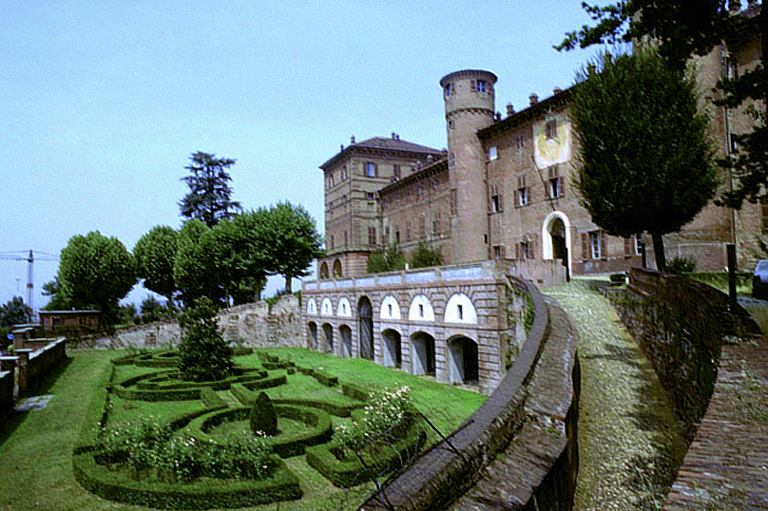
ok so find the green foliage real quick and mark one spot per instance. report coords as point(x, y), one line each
point(682, 266)
point(391, 259)
point(57, 301)
point(194, 267)
point(384, 413)
point(133, 443)
point(127, 314)
point(263, 417)
point(153, 310)
point(209, 197)
point(644, 156)
point(203, 353)
point(14, 312)
point(95, 271)
point(424, 257)
point(155, 253)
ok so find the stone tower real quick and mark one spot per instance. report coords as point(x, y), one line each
point(469, 107)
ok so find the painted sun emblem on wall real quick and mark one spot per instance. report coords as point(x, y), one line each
point(552, 141)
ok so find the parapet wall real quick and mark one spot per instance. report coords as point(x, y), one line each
point(27, 366)
point(532, 414)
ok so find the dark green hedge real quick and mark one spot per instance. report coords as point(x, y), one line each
point(211, 399)
point(355, 391)
point(351, 472)
point(200, 494)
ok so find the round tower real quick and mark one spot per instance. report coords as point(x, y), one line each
point(469, 107)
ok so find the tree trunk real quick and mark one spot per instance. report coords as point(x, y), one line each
point(288, 284)
point(658, 251)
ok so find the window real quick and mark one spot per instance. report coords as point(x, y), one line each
point(422, 227)
point(370, 169)
point(481, 86)
point(436, 226)
point(595, 244)
point(493, 153)
point(372, 236)
point(523, 193)
point(524, 250)
point(551, 129)
point(369, 195)
point(407, 230)
point(346, 239)
point(454, 202)
point(448, 89)
point(331, 243)
point(520, 142)
point(498, 252)
point(460, 310)
point(497, 203)
point(396, 171)
point(344, 174)
point(555, 183)
point(397, 236)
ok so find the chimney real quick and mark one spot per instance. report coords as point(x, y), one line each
point(352, 139)
point(510, 109)
point(534, 98)
point(498, 116)
point(734, 5)
point(393, 136)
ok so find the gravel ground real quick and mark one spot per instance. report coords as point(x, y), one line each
point(629, 443)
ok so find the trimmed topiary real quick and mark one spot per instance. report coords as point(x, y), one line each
point(203, 353)
point(263, 416)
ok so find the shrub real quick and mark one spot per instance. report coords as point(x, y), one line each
point(203, 353)
point(133, 443)
point(681, 266)
point(263, 416)
point(381, 418)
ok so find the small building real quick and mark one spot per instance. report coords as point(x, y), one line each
point(80, 320)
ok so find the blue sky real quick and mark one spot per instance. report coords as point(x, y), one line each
point(103, 102)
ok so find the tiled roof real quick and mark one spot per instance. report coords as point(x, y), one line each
point(383, 144)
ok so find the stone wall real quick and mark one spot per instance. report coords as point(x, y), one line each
point(681, 324)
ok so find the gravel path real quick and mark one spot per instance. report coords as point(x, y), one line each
point(629, 443)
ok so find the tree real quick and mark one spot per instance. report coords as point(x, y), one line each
point(293, 241)
point(96, 271)
point(155, 253)
point(14, 312)
point(424, 257)
point(391, 259)
point(681, 29)
point(203, 353)
point(57, 301)
point(194, 268)
point(644, 157)
point(209, 197)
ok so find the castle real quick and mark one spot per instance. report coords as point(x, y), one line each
point(504, 189)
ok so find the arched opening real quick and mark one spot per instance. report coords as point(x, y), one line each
point(337, 269)
point(328, 333)
point(312, 335)
point(365, 327)
point(346, 340)
point(324, 271)
point(464, 366)
point(393, 352)
point(557, 231)
point(423, 350)
point(556, 236)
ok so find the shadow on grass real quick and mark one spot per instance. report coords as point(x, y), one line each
point(10, 422)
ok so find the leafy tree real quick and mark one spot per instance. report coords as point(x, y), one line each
point(194, 268)
point(644, 156)
point(209, 197)
point(293, 241)
point(203, 353)
point(391, 259)
point(681, 29)
point(57, 301)
point(155, 253)
point(241, 248)
point(424, 257)
point(14, 312)
point(96, 271)
point(153, 310)
point(127, 314)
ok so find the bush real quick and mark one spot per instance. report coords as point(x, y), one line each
point(681, 266)
point(263, 418)
point(381, 418)
point(203, 353)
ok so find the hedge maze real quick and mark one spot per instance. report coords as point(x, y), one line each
point(203, 454)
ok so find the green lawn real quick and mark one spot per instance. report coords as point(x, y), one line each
point(36, 446)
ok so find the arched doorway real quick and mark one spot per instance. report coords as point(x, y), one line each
point(346, 340)
point(324, 271)
point(463, 361)
point(556, 236)
point(423, 353)
point(393, 353)
point(328, 333)
point(337, 269)
point(557, 231)
point(312, 335)
point(365, 327)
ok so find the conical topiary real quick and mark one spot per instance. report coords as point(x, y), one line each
point(263, 415)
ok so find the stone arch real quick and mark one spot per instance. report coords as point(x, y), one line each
point(365, 327)
point(392, 348)
point(463, 360)
point(421, 309)
point(324, 271)
point(311, 307)
point(460, 309)
point(556, 237)
point(326, 307)
point(328, 337)
point(344, 309)
point(345, 333)
point(312, 335)
point(390, 309)
point(337, 273)
point(422, 353)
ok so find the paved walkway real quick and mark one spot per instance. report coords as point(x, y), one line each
point(629, 442)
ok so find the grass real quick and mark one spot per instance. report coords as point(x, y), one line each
point(36, 446)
